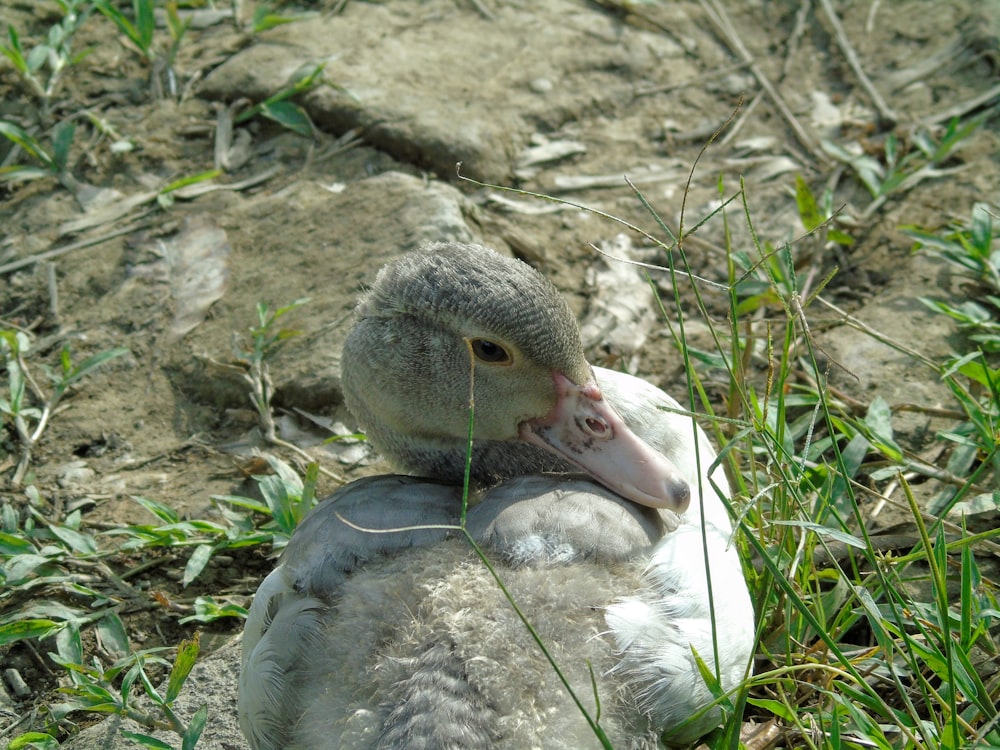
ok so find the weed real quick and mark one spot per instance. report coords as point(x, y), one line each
point(139, 33)
point(42, 66)
point(52, 162)
point(39, 556)
point(818, 214)
point(93, 688)
point(288, 114)
point(264, 18)
point(286, 498)
point(138, 30)
point(43, 560)
point(265, 339)
point(799, 455)
point(30, 420)
point(166, 196)
point(969, 248)
point(973, 377)
point(900, 169)
point(858, 646)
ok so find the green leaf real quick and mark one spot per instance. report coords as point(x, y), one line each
point(145, 23)
point(981, 229)
point(868, 170)
point(161, 511)
point(14, 53)
point(289, 115)
point(37, 740)
point(37, 57)
point(149, 688)
point(112, 635)
point(130, 677)
point(809, 211)
point(27, 565)
point(243, 502)
point(22, 173)
point(206, 176)
point(176, 26)
point(293, 305)
point(879, 421)
point(92, 363)
point(197, 562)
point(62, 139)
point(208, 610)
point(840, 237)
point(69, 645)
point(13, 544)
point(140, 34)
point(77, 541)
point(264, 18)
point(775, 707)
point(187, 655)
point(825, 531)
point(46, 609)
point(146, 741)
point(20, 630)
point(28, 142)
point(195, 728)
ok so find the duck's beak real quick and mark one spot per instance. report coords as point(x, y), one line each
point(584, 429)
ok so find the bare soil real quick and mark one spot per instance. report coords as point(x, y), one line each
point(413, 89)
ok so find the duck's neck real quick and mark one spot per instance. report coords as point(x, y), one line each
point(492, 461)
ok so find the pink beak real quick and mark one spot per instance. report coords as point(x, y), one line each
point(584, 429)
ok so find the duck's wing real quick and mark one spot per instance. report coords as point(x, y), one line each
point(368, 520)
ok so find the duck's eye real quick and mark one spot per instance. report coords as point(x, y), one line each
point(490, 352)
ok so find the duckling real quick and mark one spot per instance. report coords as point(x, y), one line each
point(595, 498)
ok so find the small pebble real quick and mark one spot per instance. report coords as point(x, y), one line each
point(17, 683)
point(541, 85)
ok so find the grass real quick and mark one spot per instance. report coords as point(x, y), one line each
point(860, 646)
point(828, 630)
point(28, 406)
point(40, 139)
point(868, 649)
point(42, 66)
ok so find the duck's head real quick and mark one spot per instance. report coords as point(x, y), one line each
point(439, 316)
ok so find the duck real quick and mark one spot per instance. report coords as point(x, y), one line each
point(595, 499)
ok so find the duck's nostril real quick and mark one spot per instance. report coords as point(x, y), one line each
point(598, 427)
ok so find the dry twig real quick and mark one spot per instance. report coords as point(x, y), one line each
point(885, 112)
point(724, 26)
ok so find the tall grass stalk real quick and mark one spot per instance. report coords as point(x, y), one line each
point(868, 649)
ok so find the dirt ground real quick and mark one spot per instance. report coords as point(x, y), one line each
point(564, 98)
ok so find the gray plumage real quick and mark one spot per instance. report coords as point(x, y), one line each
point(410, 341)
point(372, 634)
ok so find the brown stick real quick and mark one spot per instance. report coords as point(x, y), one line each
point(56, 252)
point(885, 112)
